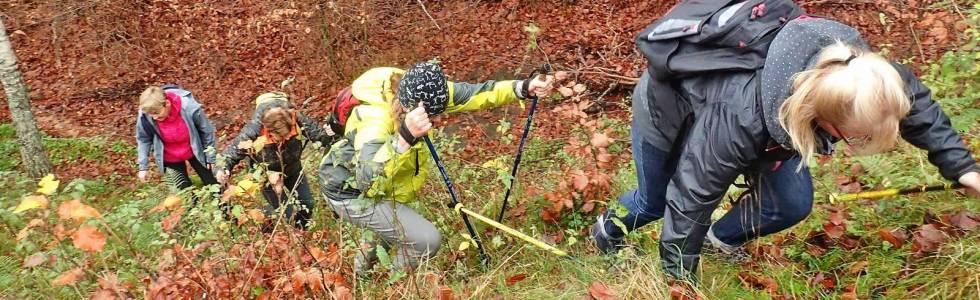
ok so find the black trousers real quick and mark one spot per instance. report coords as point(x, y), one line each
point(183, 180)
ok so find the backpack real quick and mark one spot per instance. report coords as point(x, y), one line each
point(698, 36)
point(706, 36)
point(341, 111)
point(146, 120)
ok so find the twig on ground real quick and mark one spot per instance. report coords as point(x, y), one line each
point(915, 38)
point(426, 11)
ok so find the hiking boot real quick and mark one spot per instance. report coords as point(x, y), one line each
point(605, 243)
point(732, 254)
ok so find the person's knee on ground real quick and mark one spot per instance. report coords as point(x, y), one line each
point(418, 246)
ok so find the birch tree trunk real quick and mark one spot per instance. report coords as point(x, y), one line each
point(32, 151)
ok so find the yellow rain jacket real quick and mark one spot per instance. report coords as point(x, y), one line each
point(365, 160)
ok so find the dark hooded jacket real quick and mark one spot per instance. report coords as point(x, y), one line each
point(281, 157)
point(723, 124)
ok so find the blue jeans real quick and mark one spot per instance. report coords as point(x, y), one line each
point(781, 197)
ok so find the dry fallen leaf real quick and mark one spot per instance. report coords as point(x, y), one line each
point(566, 92)
point(928, 238)
point(32, 202)
point(896, 237)
point(35, 260)
point(600, 291)
point(88, 238)
point(600, 140)
point(516, 278)
point(77, 211)
point(68, 277)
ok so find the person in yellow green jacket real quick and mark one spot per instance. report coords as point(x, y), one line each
point(379, 164)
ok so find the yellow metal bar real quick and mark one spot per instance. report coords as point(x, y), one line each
point(864, 195)
point(460, 209)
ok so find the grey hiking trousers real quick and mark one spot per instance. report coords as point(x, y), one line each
point(395, 225)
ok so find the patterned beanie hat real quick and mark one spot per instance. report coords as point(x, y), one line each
point(426, 83)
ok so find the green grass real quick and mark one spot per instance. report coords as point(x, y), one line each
point(61, 150)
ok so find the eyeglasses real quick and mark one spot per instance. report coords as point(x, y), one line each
point(852, 141)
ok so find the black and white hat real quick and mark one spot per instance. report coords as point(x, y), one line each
point(426, 83)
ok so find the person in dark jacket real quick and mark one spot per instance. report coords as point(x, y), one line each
point(173, 126)
point(819, 85)
point(278, 134)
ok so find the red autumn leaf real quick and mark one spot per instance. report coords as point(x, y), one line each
point(826, 282)
point(604, 157)
point(549, 216)
point(68, 277)
point(837, 217)
point(681, 292)
point(342, 293)
point(928, 238)
point(896, 237)
point(111, 282)
point(35, 260)
point(588, 206)
point(561, 75)
point(857, 169)
point(580, 181)
point(566, 92)
point(516, 278)
point(852, 187)
point(77, 211)
point(446, 293)
point(759, 282)
point(931, 218)
point(88, 238)
point(834, 230)
point(103, 295)
point(963, 220)
point(600, 291)
point(170, 222)
point(600, 140)
point(850, 293)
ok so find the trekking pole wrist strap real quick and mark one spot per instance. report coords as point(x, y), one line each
point(407, 134)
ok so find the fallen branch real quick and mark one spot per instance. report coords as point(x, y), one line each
point(426, 11)
point(621, 78)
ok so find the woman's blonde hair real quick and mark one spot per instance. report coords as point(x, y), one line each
point(152, 100)
point(396, 104)
point(278, 121)
point(851, 89)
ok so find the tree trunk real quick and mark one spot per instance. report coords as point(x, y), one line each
point(31, 149)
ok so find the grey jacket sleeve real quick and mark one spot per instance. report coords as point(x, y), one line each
point(206, 132)
point(312, 130)
point(722, 144)
point(232, 154)
point(144, 144)
point(927, 127)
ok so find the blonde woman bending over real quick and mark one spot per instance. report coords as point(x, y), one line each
point(816, 85)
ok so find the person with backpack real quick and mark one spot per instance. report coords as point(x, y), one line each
point(275, 138)
point(379, 164)
point(173, 126)
point(757, 88)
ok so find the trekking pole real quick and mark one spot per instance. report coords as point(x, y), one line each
point(463, 212)
point(543, 70)
point(894, 192)
point(538, 243)
point(455, 200)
